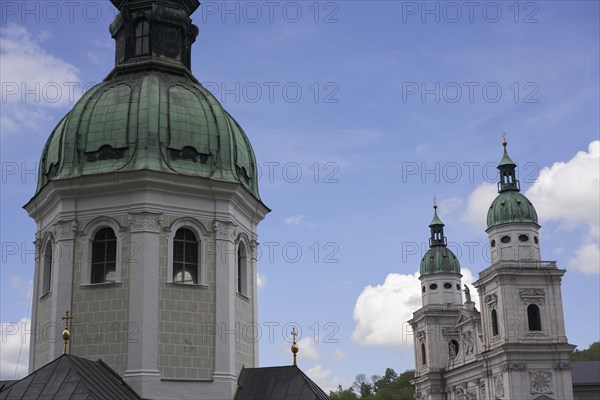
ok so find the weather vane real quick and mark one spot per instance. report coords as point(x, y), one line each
point(504, 138)
point(435, 202)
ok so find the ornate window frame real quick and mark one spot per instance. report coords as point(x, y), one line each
point(537, 297)
point(87, 241)
point(201, 235)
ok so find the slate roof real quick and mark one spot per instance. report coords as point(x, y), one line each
point(586, 373)
point(70, 378)
point(277, 383)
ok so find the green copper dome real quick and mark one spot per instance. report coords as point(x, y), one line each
point(510, 206)
point(150, 113)
point(438, 259)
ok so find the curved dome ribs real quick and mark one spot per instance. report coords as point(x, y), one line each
point(150, 113)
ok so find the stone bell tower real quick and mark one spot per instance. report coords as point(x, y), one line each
point(147, 208)
point(524, 339)
point(434, 324)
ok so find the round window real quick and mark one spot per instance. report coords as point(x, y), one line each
point(493, 243)
point(433, 286)
point(523, 238)
point(505, 239)
point(447, 285)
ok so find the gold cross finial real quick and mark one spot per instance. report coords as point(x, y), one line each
point(66, 333)
point(294, 345)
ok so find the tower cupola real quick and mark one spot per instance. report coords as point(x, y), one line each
point(439, 269)
point(512, 222)
point(438, 259)
point(508, 177)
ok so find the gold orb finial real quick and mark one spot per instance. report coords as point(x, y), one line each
point(435, 202)
point(504, 142)
point(295, 346)
point(66, 335)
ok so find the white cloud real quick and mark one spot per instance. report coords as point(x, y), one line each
point(339, 355)
point(569, 193)
point(587, 258)
point(299, 220)
point(308, 349)
point(261, 281)
point(450, 204)
point(478, 204)
point(381, 311)
point(295, 220)
point(326, 381)
point(14, 356)
point(32, 79)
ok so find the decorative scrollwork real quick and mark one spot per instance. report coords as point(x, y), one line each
point(64, 230)
point(145, 222)
point(224, 230)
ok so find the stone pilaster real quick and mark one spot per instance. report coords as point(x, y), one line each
point(225, 368)
point(142, 360)
point(64, 233)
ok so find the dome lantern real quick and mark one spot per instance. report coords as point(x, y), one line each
point(510, 206)
point(149, 31)
point(438, 259)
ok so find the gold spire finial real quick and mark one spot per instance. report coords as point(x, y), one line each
point(295, 345)
point(504, 142)
point(66, 335)
point(435, 202)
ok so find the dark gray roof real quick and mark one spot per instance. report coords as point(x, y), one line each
point(586, 373)
point(70, 378)
point(277, 383)
point(6, 384)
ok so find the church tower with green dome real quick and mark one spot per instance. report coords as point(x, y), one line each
point(433, 325)
point(512, 221)
point(439, 269)
point(147, 208)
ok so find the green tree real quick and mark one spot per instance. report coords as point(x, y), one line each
point(362, 386)
point(592, 353)
point(342, 394)
point(390, 386)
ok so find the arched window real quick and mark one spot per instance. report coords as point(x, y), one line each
point(185, 257)
point(533, 318)
point(142, 38)
point(494, 323)
point(47, 269)
point(423, 354)
point(104, 256)
point(242, 270)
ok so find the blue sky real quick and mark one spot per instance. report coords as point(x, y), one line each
point(359, 113)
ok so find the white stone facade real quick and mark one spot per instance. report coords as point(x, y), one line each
point(167, 339)
point(513, 345)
